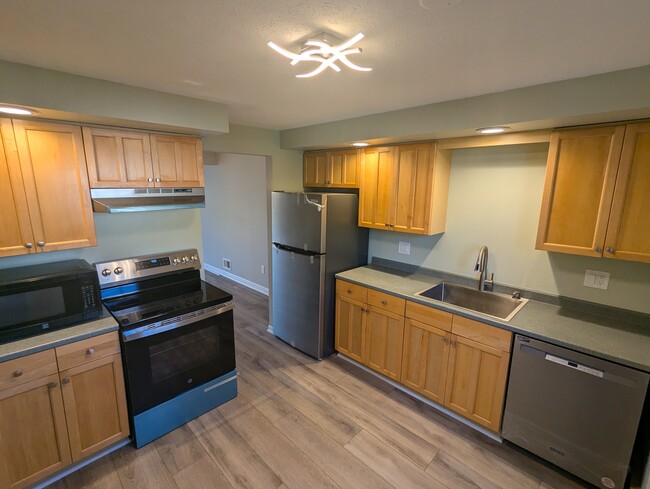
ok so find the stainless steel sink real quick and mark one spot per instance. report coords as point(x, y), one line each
point(491, 303)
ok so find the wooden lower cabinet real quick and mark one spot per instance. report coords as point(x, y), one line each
point(33, 435)
point(61, 417)
point(476, 381)
point(349, 337)
point(385, 334)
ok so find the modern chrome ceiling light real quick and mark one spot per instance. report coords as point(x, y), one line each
point(493, 130)
point(13, 110)
point(326, 50)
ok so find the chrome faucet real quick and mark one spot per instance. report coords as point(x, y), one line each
point(481, 268)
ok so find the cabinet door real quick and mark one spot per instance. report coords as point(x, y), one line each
point(314, 169)
point(95, 405)
point(34, 441)
point(177, 161)
point(578, 189)
point(384, 341)
point(343, 169)
point(476, 381)
point(15, 228)
point(424, 359)
point(628, 233)
point(414, 174)
point(118, 159)
point(377, 188)
point(350, 325)
point(56, 184)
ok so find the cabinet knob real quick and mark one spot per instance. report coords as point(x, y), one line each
point(387, 225)
point(41, 243)
point(610, 249)
point(149, 179)
point(384, 302)
point(17, 373)
point(349, 291)
point(157, 179)
point(598, 249)
point(445, 340)
point(90, 351)
point(29, 245)
point(65, 380)
point(453, 343)
point(52, 385)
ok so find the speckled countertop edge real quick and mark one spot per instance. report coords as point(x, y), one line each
point(624, 343)
point(47, 341)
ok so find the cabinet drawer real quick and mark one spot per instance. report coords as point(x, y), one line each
point(88, 350)
point(353, 291)
point(482, 333)
point(25, 369)
point(386, 301)
point(429, 315)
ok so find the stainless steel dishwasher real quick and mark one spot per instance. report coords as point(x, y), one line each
point(574, 410)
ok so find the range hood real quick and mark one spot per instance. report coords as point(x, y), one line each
point(118, 200)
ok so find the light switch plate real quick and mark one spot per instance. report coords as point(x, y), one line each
point(404, 248)
point(596, 279)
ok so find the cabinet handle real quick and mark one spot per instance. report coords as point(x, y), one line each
point(384, 302)
point(41, 243)
point(52, 385)
point(349, 291)
point(90, 351)
point(445, 340)
point(157, 179)
point(17, 373)
point(149, 179)
point(610, 249)
point(29, 245)
point(598, 249)
point(387, 225)
point(65, 380)
point(453, 343)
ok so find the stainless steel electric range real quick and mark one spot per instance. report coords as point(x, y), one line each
point(177, 339)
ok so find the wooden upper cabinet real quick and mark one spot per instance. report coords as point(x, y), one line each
point(628, 233)
point(336, 169)
point(15, 225)
point(53, 168)
point(597, 193)
point(177, 161)
point(377, 188)
point(314, 169)
point(118, 159)
point(404, 188)
point(578, 189)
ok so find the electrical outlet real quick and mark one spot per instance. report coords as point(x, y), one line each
point(262, 269)
point(226, 264)
point(404, 248)
point(596, 279)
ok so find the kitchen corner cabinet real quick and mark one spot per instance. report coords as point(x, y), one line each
point(335, 169)
point(597, 192)
point(48, 204)
point(404, 188)
point(58, 407)
point(177, 161)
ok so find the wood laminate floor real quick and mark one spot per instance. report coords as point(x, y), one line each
point(301, 424)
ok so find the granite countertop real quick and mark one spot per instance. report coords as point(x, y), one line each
point(626, 343)
point(104, 324)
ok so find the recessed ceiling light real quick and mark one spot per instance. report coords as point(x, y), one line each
point(7, 109)
point(492, 130)
point(360, 144)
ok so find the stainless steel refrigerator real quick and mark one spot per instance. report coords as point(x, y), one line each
point(314, 235)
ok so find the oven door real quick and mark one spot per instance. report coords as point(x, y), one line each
point(168, 358)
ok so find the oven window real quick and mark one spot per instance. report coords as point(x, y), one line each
point(32, 306)
point(183, 354)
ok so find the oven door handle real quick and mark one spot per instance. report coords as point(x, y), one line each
point(177, 321)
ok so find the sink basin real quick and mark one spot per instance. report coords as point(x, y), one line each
point(491, 303)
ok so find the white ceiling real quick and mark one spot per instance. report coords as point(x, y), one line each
point(422, 51)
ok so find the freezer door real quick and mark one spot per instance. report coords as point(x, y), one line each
point(298, 298)
point(297, 223)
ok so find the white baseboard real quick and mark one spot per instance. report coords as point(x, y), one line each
point(428, 402)
point(235, 278)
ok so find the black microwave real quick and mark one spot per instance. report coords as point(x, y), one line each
point(40, 298)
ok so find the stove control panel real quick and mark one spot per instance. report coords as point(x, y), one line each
point(147, 266)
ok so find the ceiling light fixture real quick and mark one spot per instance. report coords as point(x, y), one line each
point(492, 130)
point(8, 109)
point(326, 50)
point(360, 144)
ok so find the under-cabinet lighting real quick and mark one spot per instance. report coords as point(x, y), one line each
point(360, 144)
point(492, 130)
point(8, 109)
